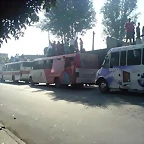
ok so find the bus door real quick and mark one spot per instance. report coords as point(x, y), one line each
point(115, 72)
point(39, 73)
point(125, 73)
point(35, 71)
point(57, 68)
point(15, 70)
point(134, 61)
point(25, 70)
point(46, 75)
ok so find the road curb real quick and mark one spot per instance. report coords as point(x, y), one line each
point(11, 135)
point(15, 138)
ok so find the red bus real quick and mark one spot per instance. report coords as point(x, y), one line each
point(75, 69)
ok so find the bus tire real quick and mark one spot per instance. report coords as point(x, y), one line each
point(103, 86)
point(47, 84)
point(13, 79)
point(2, 80)
point(27, 82)
point(31, 81)
point(57, 83)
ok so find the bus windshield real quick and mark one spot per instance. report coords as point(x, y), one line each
point(26, 64)
point(88, 61)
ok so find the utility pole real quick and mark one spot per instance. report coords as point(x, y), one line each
point(93, 40)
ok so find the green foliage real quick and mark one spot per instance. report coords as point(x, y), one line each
point(116, 14)
point(69, 17)
point(16, 14)
point(3, 60)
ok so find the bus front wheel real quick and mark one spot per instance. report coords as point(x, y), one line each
point(31, 81)
point(2, 79)
point(13, 79)
point(103, 86)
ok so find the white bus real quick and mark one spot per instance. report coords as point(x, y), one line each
point(16, 71)
point(123, 68)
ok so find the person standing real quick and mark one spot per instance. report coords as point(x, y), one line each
point(72, 45)
point(138, 31)
point(58, 48)
point(76, 44)
point(81, 45)
point(129, 30)
point(138, 40)
point(133, 38)
point(143, 34)
point(66, 47)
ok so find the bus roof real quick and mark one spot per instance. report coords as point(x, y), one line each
point(126, 48)
point(54, 57)
point(15, 62)
point(61, 56)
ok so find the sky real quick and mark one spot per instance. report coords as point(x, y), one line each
point(34, 40)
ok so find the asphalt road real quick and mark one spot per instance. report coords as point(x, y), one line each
point(45, 115)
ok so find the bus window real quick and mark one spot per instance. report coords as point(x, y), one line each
point(88, 61)
point(114, 59)
point(68, 62)
point(17, 66)
point(9, 68)
point(4, 68)
point(123, 58)
point(47, 64)
point(13, 67)
point(106, 62)
point(26, 64)
point(35, 65)
point(134, 57)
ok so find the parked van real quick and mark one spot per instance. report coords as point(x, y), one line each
point(123, 68)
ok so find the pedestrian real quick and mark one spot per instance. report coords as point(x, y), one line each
point(49, 50)
point(76, 44)
point(53, 48)
point(133, 34)
point(66, 47)
point(81, 45)
point(58, 46)
point(129, 31)
point(142, 34)
point(138, 40)
point(83, 50)
point(71, 45)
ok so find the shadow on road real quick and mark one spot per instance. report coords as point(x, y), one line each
point(92, 96)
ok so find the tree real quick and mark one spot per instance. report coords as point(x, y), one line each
point(69, 18)
point(16, 14)
point(3, 59)
point(116, 14)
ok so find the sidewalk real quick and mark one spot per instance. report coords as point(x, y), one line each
point(6, 137)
